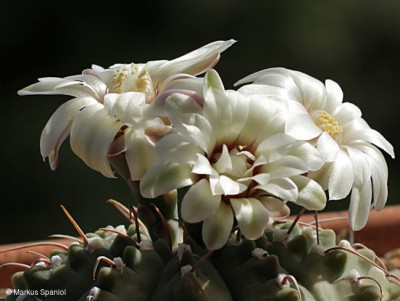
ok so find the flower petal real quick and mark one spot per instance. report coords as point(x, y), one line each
point(283, 188)
point(194, 63)
point(360, 205)
point(127, 106)
point(165, 177)
point(251, 215)
point(140, 154)
point(277, 208)
point(92, 133)
point(311, 195)
point(302, 127)
point(328, 147)
point(178, 148)
point(342, 177)
point(346, 112)
point(217, 228)
point(198, 203)
point(334, 95)
point(58, 128)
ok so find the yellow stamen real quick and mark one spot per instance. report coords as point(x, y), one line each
point(327, 123)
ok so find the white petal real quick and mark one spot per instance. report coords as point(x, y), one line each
point(322, 175)
point(276, 146)
point(140, 154)
point(311, 195)
point(328, 147)
point(178, 148)
point(346, 112)
point(127, 106)
point(165, 177)
point(200, 130)
point(277, 208)
point(302, 127)
point(361, 167)
point(224, 162)
point(334, 95)
point(203, 166)
point(310, 155)
point(360, 205)
point(231, 187)
point(198, 203)
point(313, 92)
point(251, 215)
point(342, 177)
point(285, 167)
point(92, 133)
point(61, 86)
point(283, 188)
point(371, 136)
point(217, 228)
point(58, 128)
point(379, 172)
point(193, 63)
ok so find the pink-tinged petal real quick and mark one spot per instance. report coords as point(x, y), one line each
point(251, 215)
point(178, 148)
point(127, 107)
point(277, 208)
point(334, 95)
point(360, 205)
point(328, 147)
point(301, 126)
point(194, 63)
point(311, 195)
point(92, 133)
point(346, 112)
point(58, 128)
point(140, 154)
point(198, 203)
point(165, 177)
point(217, 228)
point(342, 177)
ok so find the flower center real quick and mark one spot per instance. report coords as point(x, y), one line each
point(327, 123)
point(129, 78)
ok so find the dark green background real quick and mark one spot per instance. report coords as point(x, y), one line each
point(356, 43)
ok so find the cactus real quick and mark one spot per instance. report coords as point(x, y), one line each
point(118, 264)
point(211, 172)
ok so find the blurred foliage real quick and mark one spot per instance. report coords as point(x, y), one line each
point(356, 43)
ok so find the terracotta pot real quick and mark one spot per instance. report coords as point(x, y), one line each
point(380, 234)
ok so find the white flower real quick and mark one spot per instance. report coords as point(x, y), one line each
point(239, 163)
point(109, 102)
point(353, 163)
